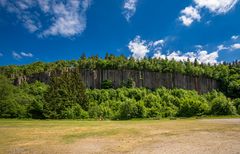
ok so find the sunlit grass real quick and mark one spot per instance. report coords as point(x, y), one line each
point(37, 134)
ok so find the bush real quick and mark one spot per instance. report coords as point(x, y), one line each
point(74, 112)
point(129, 83)
point(222, 106)
point(130, 109)
point(236, 103)
point(102, 111)
point(192, 107)
point(106, 84)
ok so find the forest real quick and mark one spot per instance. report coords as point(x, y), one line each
point(66, 97)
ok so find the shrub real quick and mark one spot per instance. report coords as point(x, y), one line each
point(102, 111)
point(130, 109)
point(129, 83)
point(74, 112)
point(192, 107)
point(106, 84)
point(222, 106)
point(237, 105)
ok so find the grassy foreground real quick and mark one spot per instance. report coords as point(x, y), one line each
point(138, 136)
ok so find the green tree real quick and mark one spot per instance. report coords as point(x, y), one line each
point(13, 101)
point(65, 92)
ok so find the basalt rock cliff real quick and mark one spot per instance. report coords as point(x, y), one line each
point(148, 79)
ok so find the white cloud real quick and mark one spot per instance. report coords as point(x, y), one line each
point(156, 45)
point(138, 47)
point(178, 56)
point(158, 42)
point(129, 7)
point(186, 21)
point(204, 57)
point(1, 54)
point(198, 46)
point(24, 54)
point(192, 13)
point(201, 56)
point(64, 18)
point(69, 19)
point(221, 47)
point(235, 46)
point(31, 25)
point(24, 4)
point(235, 37)
point(216, 6)
point(44, 5)
point(189, 14)
point(16, 55)
point(20, 9)
point(159, 55)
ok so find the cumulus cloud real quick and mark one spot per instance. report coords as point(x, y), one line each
point(216, 6)
point(201, 56)
point(50, 18)
point(140, 48)
point(129, 7)
point(188, 15)
point(176, 55)
point(192, 13)
point(235, 46)
point(205, 57)
point(24, 54)
point(159, 55)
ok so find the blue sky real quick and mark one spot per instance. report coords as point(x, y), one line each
point(44, 30)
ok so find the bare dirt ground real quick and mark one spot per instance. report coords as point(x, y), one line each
point(148, 136)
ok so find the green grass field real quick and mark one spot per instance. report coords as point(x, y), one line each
point(136, 136)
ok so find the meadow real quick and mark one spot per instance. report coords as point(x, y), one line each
point(133, 136)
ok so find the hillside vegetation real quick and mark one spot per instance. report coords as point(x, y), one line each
point(65, 97)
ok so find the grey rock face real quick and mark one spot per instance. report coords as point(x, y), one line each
point(152, 80)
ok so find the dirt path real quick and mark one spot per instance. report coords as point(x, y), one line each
point(219, 141)
point(194, 142)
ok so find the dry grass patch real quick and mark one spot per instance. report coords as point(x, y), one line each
point(147, 136)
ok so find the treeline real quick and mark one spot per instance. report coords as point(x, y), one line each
point(228, 74)
point(122, 63)
point(66, 98)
